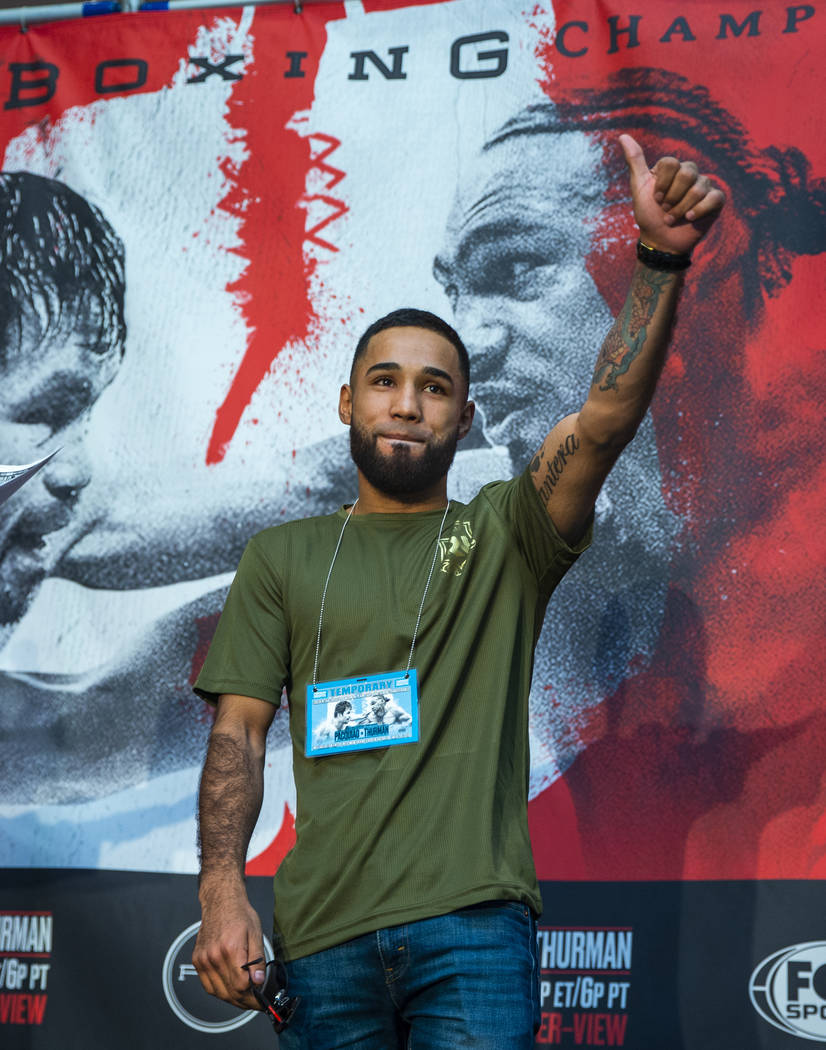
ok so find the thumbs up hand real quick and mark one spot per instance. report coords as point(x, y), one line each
point(674, 205)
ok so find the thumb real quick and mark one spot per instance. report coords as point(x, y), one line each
point(634, 158)
point(256, 969)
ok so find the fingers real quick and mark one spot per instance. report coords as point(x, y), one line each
point(700, 201)
point(220, 960)
point(683, 193)
point(223, 977)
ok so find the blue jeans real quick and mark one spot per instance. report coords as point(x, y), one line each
point(467, 979)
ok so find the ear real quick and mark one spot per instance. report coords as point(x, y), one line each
point(345, 404)
point(466, 419)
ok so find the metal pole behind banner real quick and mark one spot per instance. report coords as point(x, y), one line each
point(53, 12)
point(24, 16)
point(186, 5)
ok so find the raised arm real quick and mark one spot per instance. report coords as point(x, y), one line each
point(673, 206)
point(232, 787)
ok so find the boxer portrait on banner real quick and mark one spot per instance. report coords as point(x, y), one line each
point(442, 950)
point(64, 334)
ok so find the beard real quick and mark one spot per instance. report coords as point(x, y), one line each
point(400, 474)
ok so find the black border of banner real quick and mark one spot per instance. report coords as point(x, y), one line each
point(695, 946)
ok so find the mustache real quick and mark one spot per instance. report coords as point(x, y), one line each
point(400, 433)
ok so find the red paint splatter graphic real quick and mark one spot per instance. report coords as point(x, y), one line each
point(274, 289)
point(337, 207)
point(267, 861)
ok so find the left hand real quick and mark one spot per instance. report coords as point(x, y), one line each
point(674, 205)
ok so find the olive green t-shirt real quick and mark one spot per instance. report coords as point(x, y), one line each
point(411, 831)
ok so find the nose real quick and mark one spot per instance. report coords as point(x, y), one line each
point(483, 325)
point(406, 403)
point(68, 473)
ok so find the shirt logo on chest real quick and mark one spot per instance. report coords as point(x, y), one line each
point(454, 550)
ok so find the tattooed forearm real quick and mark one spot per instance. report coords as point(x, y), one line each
point(553, 467)
point(631, 329)
point(229, 802)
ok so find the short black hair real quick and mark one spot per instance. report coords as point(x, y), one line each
point(410, 317)
point(61, 263)
point(341, 707)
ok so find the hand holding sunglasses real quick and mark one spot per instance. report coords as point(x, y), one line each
point(272, 994)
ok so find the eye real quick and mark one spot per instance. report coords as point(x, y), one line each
point(522, 267)
point(30, 438)
point(512, 268)
point(521, 276)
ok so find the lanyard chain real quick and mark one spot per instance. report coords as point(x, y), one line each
point(421, 606)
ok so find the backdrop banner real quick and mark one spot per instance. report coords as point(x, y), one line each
point(202, 210)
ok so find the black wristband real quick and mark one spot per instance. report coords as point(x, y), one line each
point(654, 259)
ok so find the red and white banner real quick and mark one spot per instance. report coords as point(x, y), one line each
point(277, 180)
point(201, 212)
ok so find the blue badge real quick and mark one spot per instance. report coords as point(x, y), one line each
point(355, 714)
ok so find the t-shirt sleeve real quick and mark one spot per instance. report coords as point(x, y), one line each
point(249, 653)
point(547, 555)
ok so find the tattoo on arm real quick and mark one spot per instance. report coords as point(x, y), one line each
point(630, 331)
point(553, 467)
point(229, 802)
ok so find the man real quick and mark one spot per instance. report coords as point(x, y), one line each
point(514, 265)
point(67, 736)
point(326, 732)
point(62, 286)
point(62, 291)
point(63, 336)
point(382, 709)
point(442, 951)
point(676, 711)
point(548, 177)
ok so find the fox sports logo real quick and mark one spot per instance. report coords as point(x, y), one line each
point(188, 1000)
point(788, 989)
